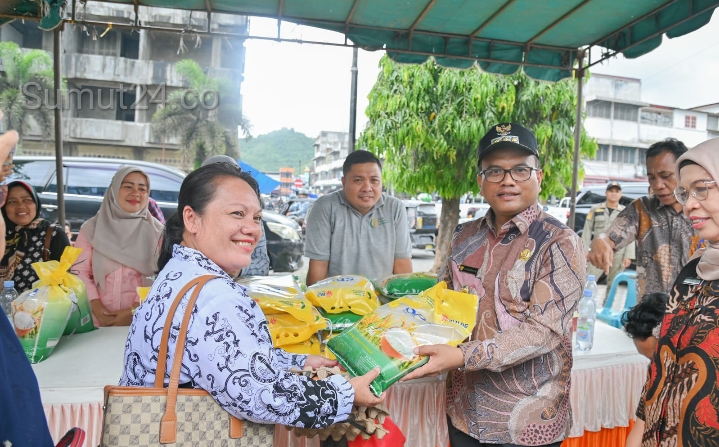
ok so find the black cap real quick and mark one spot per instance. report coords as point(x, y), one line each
point(507, 135)
point(611, 185)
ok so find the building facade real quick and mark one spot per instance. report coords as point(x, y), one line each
point(331, 149)
point(118, 78)
point(625, 126)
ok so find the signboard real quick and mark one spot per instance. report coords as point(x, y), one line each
point(298, 183)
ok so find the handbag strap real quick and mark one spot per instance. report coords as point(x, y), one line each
point(168, 424)
point(200, 281)
point(46, 245)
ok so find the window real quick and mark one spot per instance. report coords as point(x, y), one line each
point(130, 45)
point(626, 112)
point(602, 153)
point(89, 180)
point(164, 186)
point(33, 172)
point(126, 106)
point(713, 123)
point(622, 154)
point(690, 122)
point(655, 118)
point(599, 109)
point(101, 46)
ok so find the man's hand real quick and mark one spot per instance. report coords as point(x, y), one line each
point(363, 395)
point(317, 361)
point(626, 263)
point(441, 358)
point(601, 254)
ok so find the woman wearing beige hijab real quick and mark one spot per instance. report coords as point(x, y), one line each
point(120, 247)
point(680, 398)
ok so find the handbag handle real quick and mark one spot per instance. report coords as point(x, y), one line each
point(168, 424)
point(200, 281)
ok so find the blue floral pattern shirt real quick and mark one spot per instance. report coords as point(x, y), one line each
point(229, 351)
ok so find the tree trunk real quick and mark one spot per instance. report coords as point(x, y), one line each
point(447, 223)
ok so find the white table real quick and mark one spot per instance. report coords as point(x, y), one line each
point(606, 386)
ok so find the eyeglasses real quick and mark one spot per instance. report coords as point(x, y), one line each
point(3, 195)
point(519, 174)
point(699, 190)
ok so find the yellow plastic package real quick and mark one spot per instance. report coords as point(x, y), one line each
point(344, 293)
point(276, 301)
point(388, 336)
point(285, 329)
point(311, 346)
point(40, 315)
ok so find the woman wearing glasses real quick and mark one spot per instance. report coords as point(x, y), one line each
point(681, 396)
point(29, 238)
point(120, 248)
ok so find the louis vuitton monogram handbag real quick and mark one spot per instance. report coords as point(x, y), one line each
point(178, 417)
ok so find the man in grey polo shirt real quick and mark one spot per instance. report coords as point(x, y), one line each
point(358, 230)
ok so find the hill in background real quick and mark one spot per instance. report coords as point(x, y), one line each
point(279, 148)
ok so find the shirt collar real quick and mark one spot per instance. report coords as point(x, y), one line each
point(522, 220)
point(198, 258)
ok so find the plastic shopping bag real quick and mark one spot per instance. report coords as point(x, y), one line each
point(285, 329)
point(406, 284)
point(388, 336)
point(40, 315)
point(81, 316)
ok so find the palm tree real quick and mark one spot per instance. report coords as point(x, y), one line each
point(24, 85)
point(204, 115)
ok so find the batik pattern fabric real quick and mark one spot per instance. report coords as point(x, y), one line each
point(514, 387)
point(681, 396)
point(665, 242)
point(229, 351)
point(24, 246)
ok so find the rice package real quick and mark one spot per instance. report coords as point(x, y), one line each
point(286, 329)
point(405, 284)
point(41, 314)
point(341, 321)
point(344, 293)
point(274, 301)
point(311, 346)
point(80, 316)
point(388, 336)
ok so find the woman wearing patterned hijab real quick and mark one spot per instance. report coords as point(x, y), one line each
point(29, 238)
point(120, 247)
point(680, 398)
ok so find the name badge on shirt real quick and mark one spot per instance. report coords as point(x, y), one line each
point(692, 281)
point(468, 269)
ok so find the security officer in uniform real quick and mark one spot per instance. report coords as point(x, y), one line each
point(599, 218)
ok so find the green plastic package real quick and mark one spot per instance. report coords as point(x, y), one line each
point(406, 284)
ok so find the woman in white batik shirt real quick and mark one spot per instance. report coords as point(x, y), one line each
point(229, 350)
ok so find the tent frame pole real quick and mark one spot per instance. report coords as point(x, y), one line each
point(577, 137)
point(353, 102)
point(56, 46)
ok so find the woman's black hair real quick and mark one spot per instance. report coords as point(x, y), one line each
point(197, 190)
point(687, 163)
point(640, 320)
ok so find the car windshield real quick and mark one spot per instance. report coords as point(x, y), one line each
point(427, 210)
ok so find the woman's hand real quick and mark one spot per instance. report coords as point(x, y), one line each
point(363, 395)
point(108, 317)
point(317, 361)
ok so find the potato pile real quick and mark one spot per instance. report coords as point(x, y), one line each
point(363, 421)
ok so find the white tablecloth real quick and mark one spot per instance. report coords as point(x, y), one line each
point(606, 386)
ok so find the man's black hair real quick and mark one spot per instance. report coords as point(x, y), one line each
point(359, 157)
point(640, 321)
point(676, 147)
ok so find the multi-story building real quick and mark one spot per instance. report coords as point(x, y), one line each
point(117, 78)
point(287, 176)
point(331, 149)
point(625, 126)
